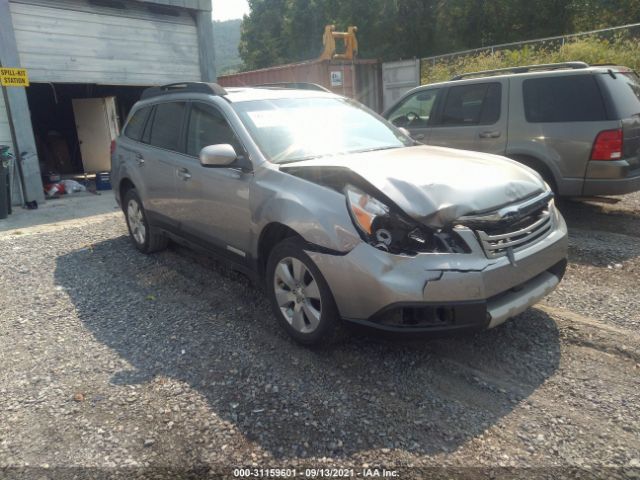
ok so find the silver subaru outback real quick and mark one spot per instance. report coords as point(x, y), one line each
point(339, 214)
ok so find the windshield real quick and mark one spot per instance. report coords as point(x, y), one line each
point(293, 129)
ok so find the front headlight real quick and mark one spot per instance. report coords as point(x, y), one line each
point(364, 208)
point(384, 228)
point(388, 229)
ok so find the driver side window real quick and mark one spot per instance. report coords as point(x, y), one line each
point(207, 126)
point(415, 110)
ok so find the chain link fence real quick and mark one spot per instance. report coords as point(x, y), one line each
point(618, 45)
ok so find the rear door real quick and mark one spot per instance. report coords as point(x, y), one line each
point(472, 116)
point(414, 113)
point(163, 139)
point(215, 201)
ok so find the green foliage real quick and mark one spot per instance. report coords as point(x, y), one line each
point(284, 31)
point(621, 50)
point(226, 37)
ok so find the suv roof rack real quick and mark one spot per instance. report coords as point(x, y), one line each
point(184, 87)
point(524, 69)
point(295, 85)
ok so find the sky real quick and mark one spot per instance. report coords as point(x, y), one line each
point(228, 9)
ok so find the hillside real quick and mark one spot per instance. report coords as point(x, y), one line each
point(226, 36)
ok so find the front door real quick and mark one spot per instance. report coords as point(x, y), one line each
point(473, 116)
point(215, 200)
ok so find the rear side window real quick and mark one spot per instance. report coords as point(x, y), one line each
point(574, 98)
point(472, 105)
point(207, 126)
point(136, 124)
point(166, 129)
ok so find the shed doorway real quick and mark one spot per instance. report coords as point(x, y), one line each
point(73, 124)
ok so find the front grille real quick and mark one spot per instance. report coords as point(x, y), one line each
point(516, 236)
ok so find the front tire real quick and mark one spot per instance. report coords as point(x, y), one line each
point(145, 238)
point(300, 296)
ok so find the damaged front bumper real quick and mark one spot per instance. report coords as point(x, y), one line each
point(443, 291)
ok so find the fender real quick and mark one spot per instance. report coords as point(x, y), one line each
point(319, 214)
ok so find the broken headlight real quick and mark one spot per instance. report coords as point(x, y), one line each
point(388, 230)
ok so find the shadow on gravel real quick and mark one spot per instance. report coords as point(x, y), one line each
point(601, 234)
point(600, 216)
point(178, 315)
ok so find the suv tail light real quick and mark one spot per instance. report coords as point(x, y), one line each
point(608, 145)
point(113, 146)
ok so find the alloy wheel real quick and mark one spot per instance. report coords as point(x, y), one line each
point(297, 294)
point(136, 221)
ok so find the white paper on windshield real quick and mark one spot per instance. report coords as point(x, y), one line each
point(267, 118)
point(295, 116)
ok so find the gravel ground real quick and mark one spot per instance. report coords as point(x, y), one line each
point(118, 364)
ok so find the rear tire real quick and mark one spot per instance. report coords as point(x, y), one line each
point(144, 237)
point(299, 295)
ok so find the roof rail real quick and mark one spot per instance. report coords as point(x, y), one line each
point(295, 85)
point(524, 69)
point(183, 87)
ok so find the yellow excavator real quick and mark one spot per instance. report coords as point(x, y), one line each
point(329, 41)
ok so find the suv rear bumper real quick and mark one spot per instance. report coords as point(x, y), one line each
point(442, 291)
point(614, 177)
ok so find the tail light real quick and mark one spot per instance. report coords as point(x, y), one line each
point(113, 146)
point(608, 145)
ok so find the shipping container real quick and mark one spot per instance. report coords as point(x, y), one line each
point(357, 79)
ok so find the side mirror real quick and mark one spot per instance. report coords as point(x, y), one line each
point(405, 131)
point(221, 155)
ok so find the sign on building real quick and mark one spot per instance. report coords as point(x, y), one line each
point(14, 77)
point(336, 78)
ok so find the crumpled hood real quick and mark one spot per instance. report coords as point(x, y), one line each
point(436, 185)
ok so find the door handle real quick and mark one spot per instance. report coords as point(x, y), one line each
point(418, 136)
point(139, 159)
point(184, 174)
point(494, 134)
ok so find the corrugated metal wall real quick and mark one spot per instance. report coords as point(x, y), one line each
point(398, 78)
point(74, 41)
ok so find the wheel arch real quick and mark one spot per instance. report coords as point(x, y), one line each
point(125, 185)
point(539, 166)
point(272, 234)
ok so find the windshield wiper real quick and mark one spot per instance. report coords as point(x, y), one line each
point(375, 149)
point(301, 159)
point(313, 157)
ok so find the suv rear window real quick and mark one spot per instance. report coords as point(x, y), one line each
point(167, 126)
point(572, 98)
point(472, 105)
point(625, 92)
point(136, 124)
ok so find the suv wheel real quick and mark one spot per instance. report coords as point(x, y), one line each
point(299, 295)
point(144, 237)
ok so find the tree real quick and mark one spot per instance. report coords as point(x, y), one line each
point(283, 31)
point(262, 41)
